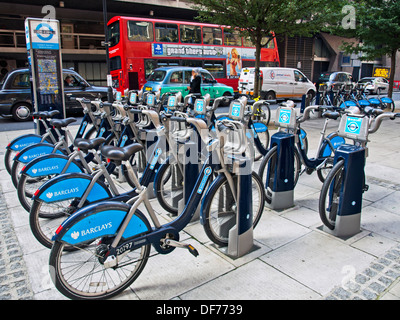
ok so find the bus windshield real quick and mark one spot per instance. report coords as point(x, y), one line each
point(113, 33)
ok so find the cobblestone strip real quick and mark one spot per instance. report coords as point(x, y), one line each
point(373, 281)
point(14, 279)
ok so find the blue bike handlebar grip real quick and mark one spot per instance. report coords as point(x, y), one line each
point(178, 119)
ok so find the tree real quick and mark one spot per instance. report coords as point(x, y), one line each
point(264, 19)
point(378, 30)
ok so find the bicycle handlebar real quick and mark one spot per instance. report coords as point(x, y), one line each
point(378, 120)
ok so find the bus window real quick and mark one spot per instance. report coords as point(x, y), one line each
point(149, 66)
point(192, 63)
point(140, 31)
point(190, 34)
point(232, 38)
point(113, 33)
point(166, 32)
point(270, 45)
point(115, 63)
point(212, 35)
point(216, 68)
point(167, 63)
point(247, 42)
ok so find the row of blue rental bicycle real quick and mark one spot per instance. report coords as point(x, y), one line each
point(177, 151)
point(351, 95)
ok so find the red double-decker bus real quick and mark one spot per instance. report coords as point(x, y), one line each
point(138, 45)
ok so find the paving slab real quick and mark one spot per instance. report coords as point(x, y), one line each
point(317, 261)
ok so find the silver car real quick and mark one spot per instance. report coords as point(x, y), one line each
point(375, 83)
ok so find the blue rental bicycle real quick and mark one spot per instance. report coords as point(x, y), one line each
point(112, 240)
point(322, 162)
point(66, 193)
point(330, 200)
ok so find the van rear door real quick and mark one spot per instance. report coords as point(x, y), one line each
point(300, 84)
point(246, 80)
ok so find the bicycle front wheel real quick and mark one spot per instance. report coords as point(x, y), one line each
point(220, 211)
point(81, 274)
point(330, 195)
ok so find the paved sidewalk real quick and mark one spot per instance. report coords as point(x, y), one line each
point(293, 257)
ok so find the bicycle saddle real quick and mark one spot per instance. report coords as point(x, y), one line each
point(120, 154)
point(331, 114)
point(61, 123)
point(45, 114)
point(87, 144)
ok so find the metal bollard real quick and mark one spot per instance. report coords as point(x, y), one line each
point(280, 176)
point(348, 218)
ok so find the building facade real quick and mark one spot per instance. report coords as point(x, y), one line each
point(83, 35)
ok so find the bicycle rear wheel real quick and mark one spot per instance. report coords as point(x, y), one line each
point(330, 194)
point(169, 187)
point(81, 274)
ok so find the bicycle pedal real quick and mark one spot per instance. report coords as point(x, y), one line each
point(177, 244)
point(193, 250)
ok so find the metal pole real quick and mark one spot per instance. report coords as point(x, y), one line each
point(105, 19)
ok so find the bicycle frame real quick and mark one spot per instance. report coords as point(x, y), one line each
point(141, 233)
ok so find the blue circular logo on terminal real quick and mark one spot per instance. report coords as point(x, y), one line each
point(44, 31)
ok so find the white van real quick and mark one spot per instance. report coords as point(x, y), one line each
point(277, 83)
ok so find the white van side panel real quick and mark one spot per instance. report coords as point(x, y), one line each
point(281, 81)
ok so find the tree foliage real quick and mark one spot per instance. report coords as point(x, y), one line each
point(258, 19)
point(378, 31)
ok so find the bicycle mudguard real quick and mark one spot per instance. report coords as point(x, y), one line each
point(24, 141)
point(386, 100)
point(335, 140)
point(100, 220)
point(71, 185)
point(260, 127)
point(50, 164)
point(364, 103)
point(34, 151)
point(207, 196)
point(347, 104)
point(374, 101)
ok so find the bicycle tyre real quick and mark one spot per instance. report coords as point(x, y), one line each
point(271, 157)
point(168, 184)
point(330, 193)
point(27, 187)
point(212, 223)
point(95, 275)
point(8, 159)
point(43, 226)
